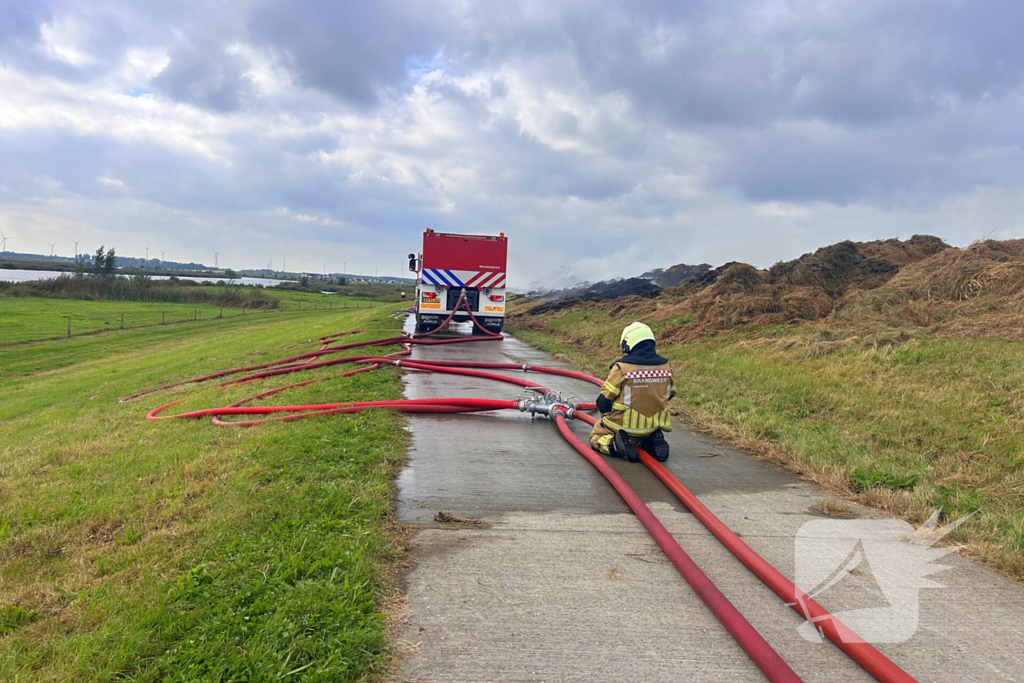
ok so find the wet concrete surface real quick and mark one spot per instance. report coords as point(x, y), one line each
point(508, 461)
point(562, 583)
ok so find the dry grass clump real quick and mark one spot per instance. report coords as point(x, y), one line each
point(806, 289)
point(977, 291)
point(918, 284)
point(834, 508)
point(445, 517)
point(838, 268)
point(732, 301)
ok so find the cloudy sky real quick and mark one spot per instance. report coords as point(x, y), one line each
point(605, 138)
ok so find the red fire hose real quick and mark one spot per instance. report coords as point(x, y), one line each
point(873, 661)
point(767, 660)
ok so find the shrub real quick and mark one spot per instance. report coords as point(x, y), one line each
point(142, 288)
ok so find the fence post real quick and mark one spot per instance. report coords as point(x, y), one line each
point(243, 310)
point(195, 314)
point(163, 317)
point(69, 326)
point(221, 312)
point(314, 305)
point(122, 321)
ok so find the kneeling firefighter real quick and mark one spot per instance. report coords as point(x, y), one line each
point(634, 400)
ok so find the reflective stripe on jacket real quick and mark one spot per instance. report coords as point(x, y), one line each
point(639, 396)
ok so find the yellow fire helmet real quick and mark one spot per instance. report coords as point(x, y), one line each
point(633, 335)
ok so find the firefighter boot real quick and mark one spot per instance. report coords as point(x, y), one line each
point(656, 446)
point(622, 447)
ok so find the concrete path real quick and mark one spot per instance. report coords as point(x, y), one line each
point(562, 583)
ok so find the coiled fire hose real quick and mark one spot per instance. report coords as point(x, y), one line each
point(760, 652)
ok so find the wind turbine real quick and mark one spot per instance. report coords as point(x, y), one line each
point(284, 263)
point(216, 259)
point(52, 245)
point(162, 252)
point(270, 265)
point(76, 248)
point(3, 242)
point(147, 251)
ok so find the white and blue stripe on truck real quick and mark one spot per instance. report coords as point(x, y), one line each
point(462, 278)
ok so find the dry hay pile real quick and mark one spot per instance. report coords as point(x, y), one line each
point(806, 289)
point(840, 268)
point(958, 292)
point(918, 283)
point(677, 274)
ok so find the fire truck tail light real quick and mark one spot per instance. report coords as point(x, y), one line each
point(496, 297)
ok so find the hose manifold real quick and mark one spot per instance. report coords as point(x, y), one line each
point(547, 403)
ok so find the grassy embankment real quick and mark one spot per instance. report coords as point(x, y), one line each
point(928, 422)
point(138, 550)
point(379, 291)
point(292, 299)
point(39, 318)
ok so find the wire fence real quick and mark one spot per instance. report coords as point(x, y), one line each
point(134, 321)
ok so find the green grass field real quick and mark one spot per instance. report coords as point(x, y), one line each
point(179, 551)
point(26, 319)
point(292, 300)
point(928, 422)
point(37, 318)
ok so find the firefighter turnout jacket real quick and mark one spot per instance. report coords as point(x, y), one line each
point(635, 396)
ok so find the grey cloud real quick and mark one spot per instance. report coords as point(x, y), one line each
point(210, 78)
point(729, 70)
point(103, 31)
point(909, 160)
point(751, 62)
point(19, 25)
point(21, 40)
point(349, 48)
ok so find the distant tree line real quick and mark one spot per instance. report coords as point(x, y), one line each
point(107, 287)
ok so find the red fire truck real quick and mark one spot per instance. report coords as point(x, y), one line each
point(451, 264)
